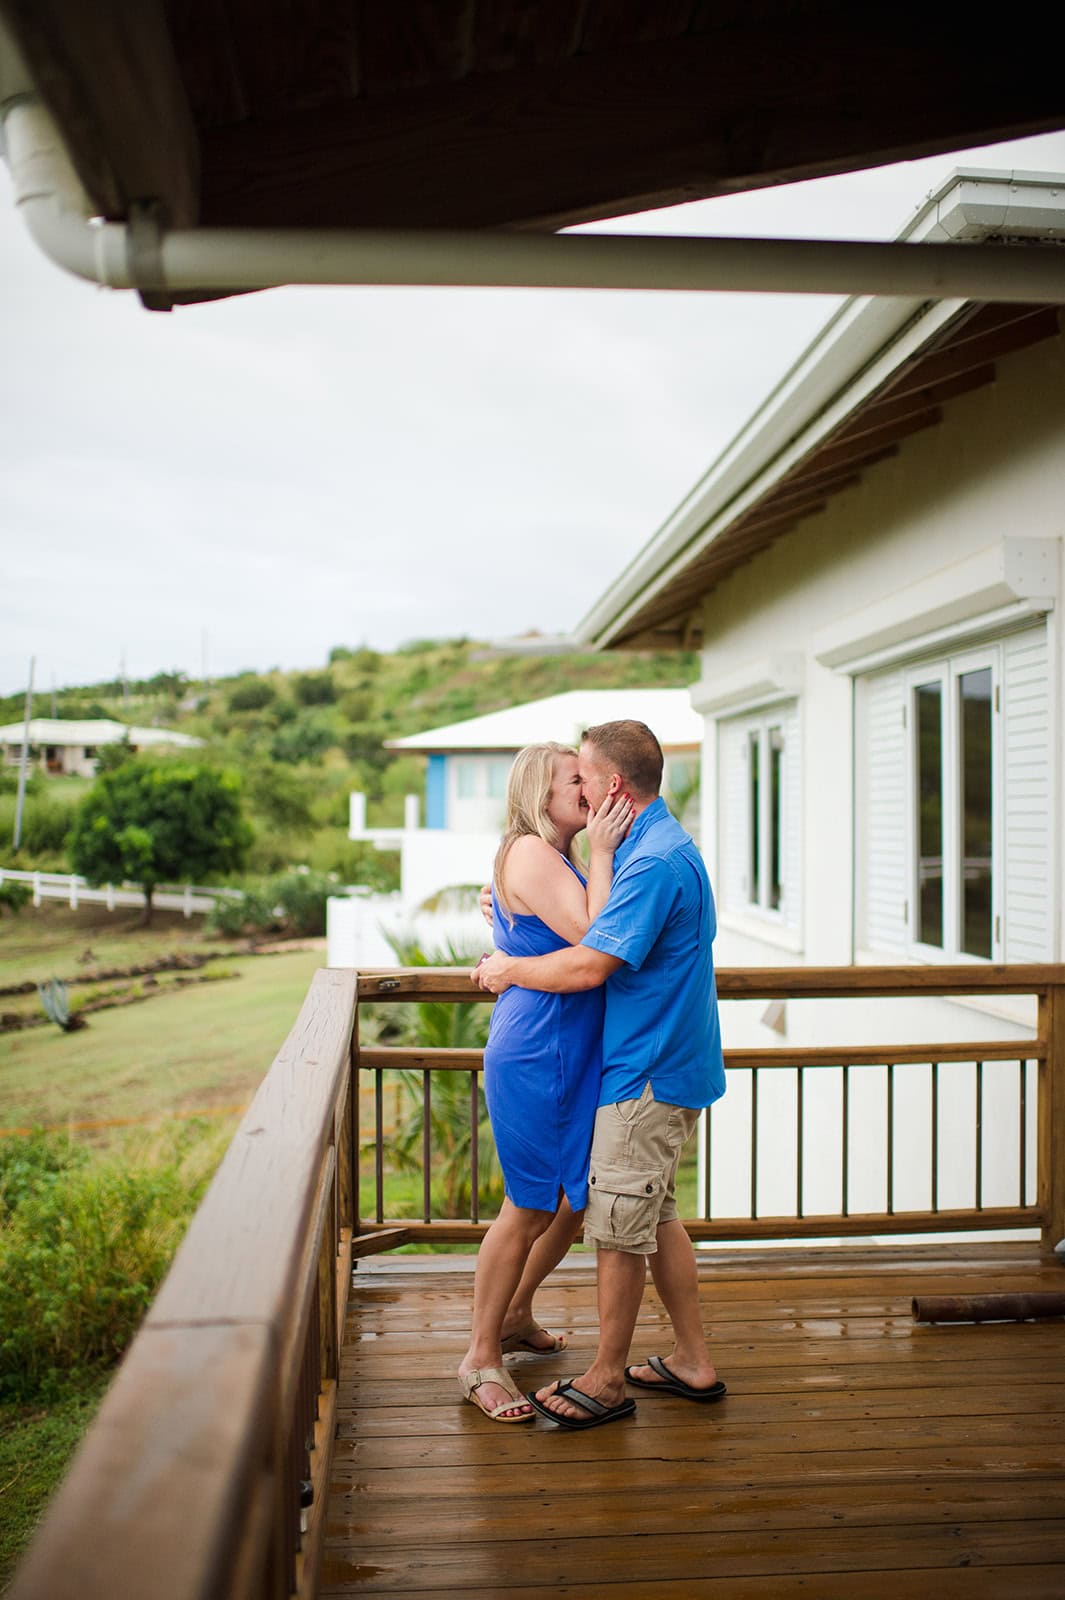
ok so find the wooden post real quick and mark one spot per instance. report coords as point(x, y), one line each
point(353, 1129)
point(1052, 1116)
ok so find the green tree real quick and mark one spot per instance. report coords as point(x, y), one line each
point(150, 823)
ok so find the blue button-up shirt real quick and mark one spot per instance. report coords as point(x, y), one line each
point(662, 1022)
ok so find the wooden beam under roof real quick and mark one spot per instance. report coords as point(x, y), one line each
point(976, 349)
point(622, 126)
point(957, 363)
point(107, 72)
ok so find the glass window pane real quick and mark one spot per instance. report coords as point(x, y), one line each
point(754, 812)
point(776, 775)
point(497, 779)
point(929, 709)
point(974, 722)
point(465, 779)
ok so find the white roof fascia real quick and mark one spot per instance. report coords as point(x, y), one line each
point(863, 341)
point(94, 731)
point(562, 716)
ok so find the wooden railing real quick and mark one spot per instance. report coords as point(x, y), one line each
point(205, 1473)
point(1039, 1086)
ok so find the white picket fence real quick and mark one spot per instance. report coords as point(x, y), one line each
point(187, 898)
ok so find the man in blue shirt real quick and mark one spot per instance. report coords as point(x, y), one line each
point(662, 1063)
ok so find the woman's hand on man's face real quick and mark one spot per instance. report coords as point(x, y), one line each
point(608, 826)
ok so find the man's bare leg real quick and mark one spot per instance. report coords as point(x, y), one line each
point(544, 1257)
point(621, 1278)
point(677, 1280)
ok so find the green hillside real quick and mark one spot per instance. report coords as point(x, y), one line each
point(302, 741)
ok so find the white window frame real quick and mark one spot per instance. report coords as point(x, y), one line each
point(948, 672)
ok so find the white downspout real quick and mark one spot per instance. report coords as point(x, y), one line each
point(141, 255)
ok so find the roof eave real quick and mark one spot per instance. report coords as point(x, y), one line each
point(856, 351)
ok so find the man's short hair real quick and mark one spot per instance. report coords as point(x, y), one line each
point(632, 750)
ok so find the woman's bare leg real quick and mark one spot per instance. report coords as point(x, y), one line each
point(500, 1262)
point(545, 1255)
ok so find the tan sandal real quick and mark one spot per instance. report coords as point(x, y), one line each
point(471, 1381)
point(521, 1341)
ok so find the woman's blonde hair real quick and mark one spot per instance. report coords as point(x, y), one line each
point(528, 791)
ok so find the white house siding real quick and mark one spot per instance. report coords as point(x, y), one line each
point(993, 468)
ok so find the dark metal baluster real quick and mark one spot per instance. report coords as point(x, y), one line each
point(353, 1133)
point(845, 1133)
point(379, 1141)
point(707, 1130)
point(890, 1137)
point(799, 1140)
point(475, 1119)
point(427, 1118)
point(1023, 1152)
point(935, 1135)
point(754, 1141)
point(979, 1136)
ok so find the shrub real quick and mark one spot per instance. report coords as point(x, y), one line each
point(292, 904)
point(14, 895)
point(302, 897)
point(315, 689)
point(83, 1246)
point(46, 824)
point(280, 796)
point(304, 740)
point(254, 694)
point(28, 1165)
point(232, 918)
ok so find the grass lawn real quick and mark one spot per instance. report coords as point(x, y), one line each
point(203, 1047)
point(35, 1447)
point(50, 940)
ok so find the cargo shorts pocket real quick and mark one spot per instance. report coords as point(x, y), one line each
point(623, 1205)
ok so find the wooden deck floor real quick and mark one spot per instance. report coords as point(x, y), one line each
point(857, 1453)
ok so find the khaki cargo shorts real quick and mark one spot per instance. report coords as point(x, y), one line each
point(631, 1186)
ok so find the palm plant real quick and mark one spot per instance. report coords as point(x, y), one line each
point(443, 1025)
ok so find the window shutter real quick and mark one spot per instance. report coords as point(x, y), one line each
point(732, 815)
point(1026, 747)
point(881, 836)
point(791, 871)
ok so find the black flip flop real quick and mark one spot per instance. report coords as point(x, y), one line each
point(597, 1412)
point(671, 1384)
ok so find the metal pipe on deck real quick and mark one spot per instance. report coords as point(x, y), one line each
point(989, 1307)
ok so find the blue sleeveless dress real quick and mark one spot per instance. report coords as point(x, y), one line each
point(542, 1066)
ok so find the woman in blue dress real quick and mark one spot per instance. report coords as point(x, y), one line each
point(542, 1062)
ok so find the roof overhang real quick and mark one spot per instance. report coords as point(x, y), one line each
point(187, 117)
point(880, 371)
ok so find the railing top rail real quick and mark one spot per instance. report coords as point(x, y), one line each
point(761, 983)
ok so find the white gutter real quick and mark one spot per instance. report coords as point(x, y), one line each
point(142, 255)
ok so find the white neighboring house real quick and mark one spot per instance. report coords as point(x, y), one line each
point(465, 788)
point(69, 748)
point(872, 571)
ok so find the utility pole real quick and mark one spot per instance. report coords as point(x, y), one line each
point(24, 758)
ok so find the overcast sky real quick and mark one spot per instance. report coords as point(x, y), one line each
point(248, 483)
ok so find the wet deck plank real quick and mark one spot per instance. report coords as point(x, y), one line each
point(854, 1449)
